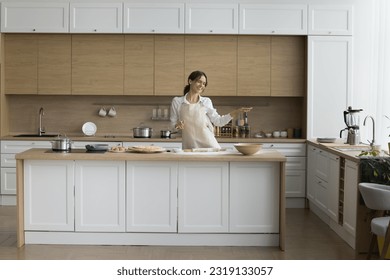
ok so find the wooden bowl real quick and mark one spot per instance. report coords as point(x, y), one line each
point(248, 148)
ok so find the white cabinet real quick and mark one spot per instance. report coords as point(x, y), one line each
point(153, 18)
point(203, 197)
point(151, 196)
point(295, 154)
point(8, 163)
point(96, 18)
point(8, 181)
point(311, 169)
point(319, 178)
point(321, 183)
point(254, 206)
point(295, 184)
point(329, 84)
point(288, 149)
point(273, 19)
point(330, 20)
point(211, 18)
point(334, 199)
point(350, 196)
point(49, 195)
point(35, 17)
point(100, 196)
point(333, 187)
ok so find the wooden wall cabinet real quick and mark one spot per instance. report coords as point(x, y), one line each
point(139, 65)
point(288, 66)
point(97, 64)
point(271, 66)
point(217, 57)
point(254, 66)
point(154, 65)
point(169, 65)
point(21, 60)
point(37, 64)
point(54, 64)
point(150, 64)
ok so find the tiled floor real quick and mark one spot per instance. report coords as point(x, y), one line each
point(307, 238)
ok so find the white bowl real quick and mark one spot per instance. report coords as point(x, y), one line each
point(248, 148)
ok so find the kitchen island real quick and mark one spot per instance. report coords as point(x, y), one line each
point(216, 199)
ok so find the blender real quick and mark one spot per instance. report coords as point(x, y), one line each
point(352, 120)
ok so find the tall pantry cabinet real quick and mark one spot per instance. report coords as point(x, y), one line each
point(329, 70)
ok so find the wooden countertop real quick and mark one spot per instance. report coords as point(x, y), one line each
point(47, 154)
point(332, 148)
point(129, 138)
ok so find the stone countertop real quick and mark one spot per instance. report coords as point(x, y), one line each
point(130, 138)
point(48, 154)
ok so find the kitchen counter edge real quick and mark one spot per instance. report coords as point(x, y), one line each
point(47, 154)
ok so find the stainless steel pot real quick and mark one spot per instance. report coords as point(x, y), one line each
point(142, 132)
point(61, 144)
point(166, 133)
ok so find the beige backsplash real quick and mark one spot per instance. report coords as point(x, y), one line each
point(67, 114)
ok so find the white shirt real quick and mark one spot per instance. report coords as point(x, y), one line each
point(211, 112)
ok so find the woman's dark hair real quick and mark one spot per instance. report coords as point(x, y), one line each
point(194, 76)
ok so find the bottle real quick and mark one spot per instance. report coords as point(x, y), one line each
point(247, 128)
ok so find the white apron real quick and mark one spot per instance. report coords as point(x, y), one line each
point(198, 130)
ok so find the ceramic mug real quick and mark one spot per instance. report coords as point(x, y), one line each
point(112, 112)
point(102, 112)
point(276, 134)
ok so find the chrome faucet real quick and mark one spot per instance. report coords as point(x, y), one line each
point(41, 130)
point(372, 143)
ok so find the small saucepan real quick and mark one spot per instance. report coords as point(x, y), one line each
point(166, 134)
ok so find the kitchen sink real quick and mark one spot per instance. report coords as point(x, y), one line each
point(352, 148)
point(36, 135)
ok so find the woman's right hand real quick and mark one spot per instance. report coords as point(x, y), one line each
point(179, 125)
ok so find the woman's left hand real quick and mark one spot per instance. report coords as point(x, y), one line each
point(235, 113)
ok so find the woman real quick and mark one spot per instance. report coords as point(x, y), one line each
point(195, 114)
